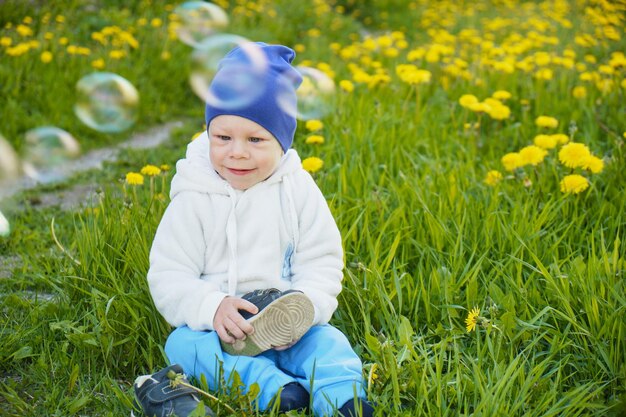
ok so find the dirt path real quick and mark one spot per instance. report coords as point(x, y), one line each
point(91, 160)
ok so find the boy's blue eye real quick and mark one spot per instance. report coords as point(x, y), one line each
point(223, 137)
point(255, 140)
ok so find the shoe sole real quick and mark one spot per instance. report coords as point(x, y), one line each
point(282, 322)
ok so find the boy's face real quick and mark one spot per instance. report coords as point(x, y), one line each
point(242, 152)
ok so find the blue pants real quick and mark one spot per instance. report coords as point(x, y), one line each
point(323, 362)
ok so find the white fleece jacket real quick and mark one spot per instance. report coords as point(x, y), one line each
point(215, 241)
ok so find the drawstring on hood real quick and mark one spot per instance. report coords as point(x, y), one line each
point(231, 237)
point(293, 214)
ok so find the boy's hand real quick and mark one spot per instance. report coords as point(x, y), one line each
point(228, 323)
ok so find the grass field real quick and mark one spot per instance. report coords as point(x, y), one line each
point(473, 157)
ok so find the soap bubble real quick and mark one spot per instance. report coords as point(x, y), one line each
point(106, 102)
point(199, 21)
point(243, 83)
point(315, 95)
point(9, 161)
point(5, 227)
point(47, 147)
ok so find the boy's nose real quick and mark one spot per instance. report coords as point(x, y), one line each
point(238, 149)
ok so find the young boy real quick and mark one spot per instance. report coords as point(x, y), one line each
point(247, 261)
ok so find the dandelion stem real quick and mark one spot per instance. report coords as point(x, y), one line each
point(54, 236)
point(406, 102)
point(417, 104)
point(175, 383)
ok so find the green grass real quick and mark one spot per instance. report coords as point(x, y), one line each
point(425, 238)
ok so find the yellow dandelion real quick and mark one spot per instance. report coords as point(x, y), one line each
point(94, 211)
point(17, 50)
point(156, 22)
point(391, 52)
point(117, 54)
point(546, 121)
point(346, 85)
point(574, 184)
point(579, 92)
point(532, 155)
point(588, 76)
point(165, 167)
point(134, 178)
point(312, 164)
point(493, 177)
point(467, 100)
point(410, 74)
point(472, 319)
point(590, 59)
point(314, 140)
point(593, 164)
point(545, 141)
point(606, 69)
point(480, 107)
point(46, 57)
point(98, 63)
point(335, 46)
point(313, 125)
point(501, 95)
point(24, 31)
point(314, 32)
point(151, 170)
point(511, 161)
point(544, 74)
point(499, 112)
point(574, 154)
point(618, 59)
point(372, 376)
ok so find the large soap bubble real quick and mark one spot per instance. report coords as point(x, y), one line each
point(199, 21)
point(47, 147)
point(106, 102)
point(244, 82)
point(5, 227)
point(9, 161)
point(315, 95)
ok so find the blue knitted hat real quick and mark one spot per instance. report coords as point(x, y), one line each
point(267, 96)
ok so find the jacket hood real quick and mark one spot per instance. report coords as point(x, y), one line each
point(196, 173)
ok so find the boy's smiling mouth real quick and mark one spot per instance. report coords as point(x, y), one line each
point(240, 171)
